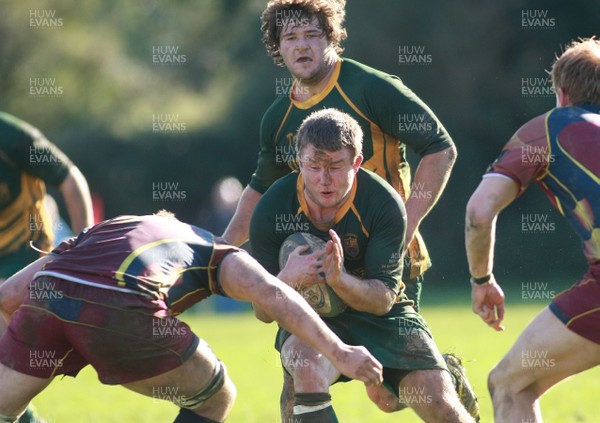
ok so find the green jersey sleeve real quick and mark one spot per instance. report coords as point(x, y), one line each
point(273, 160)
point(383, 256)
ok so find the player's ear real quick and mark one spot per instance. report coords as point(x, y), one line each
point(357, 162)
point(562, 97)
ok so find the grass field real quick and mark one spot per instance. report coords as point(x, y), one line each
point(245, 345)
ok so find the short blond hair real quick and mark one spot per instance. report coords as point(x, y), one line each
point(577, 71)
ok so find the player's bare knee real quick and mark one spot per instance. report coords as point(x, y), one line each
point(389, 407)
point(384, 399)
point(219, 384)
point(308, 376)
point(498, 378)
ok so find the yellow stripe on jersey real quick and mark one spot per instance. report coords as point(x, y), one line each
point(549, 144)
point(120, 273)
point(282, 123)
point(362, 226)
point(386, 156)
point(565, 189)
point(26, 218)
point(579, 165)
point(594, 310)
point(316, 99)
point(189, 294)
point(348, 203)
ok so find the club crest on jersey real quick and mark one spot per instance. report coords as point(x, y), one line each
point(350, 243)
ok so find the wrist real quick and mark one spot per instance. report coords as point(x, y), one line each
point(283, 277)
point(482, 281)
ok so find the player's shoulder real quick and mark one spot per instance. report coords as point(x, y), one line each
point(353, 67)
point(572, 113)
point(535, 128)
point(363, 83)
point(353, 70)
point(285, 182)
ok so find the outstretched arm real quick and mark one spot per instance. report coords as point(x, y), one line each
point(492, 195)
point(243, 278)
point(300, 270)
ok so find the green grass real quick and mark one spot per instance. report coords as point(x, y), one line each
point(246, 346)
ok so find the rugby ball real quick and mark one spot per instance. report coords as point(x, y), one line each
point(321, 297)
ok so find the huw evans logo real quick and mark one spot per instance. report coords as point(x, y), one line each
point(44, 18)
point(45, 87)
point(168, 123)
point(414, 123)
point(168, 191)
point(537, 87)
point(413, 55)
point(537, 19)
point(168, 55)
point(284, 18)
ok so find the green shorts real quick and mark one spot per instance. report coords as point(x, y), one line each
point(413, 289)
point(402, 342)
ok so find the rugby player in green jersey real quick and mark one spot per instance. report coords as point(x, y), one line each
point(305, 36)
point(28, 161)
point(364, 221)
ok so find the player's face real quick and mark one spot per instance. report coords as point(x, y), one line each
point(306, 51)
point(328, 175)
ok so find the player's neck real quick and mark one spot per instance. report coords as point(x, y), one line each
point(307, 88)
point(322, 218)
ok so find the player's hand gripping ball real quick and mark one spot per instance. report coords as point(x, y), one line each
point(321, 297)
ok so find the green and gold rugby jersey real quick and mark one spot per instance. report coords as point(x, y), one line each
point(27, 161)
point(390, 115)
point(370, 223)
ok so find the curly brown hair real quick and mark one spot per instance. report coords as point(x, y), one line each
point(329, 13)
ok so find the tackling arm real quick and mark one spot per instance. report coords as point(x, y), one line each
point(294, 314)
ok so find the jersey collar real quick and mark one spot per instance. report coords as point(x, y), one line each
point(316, 99)
point(304, 205)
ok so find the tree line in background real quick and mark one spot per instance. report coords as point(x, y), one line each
point(157, 100)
